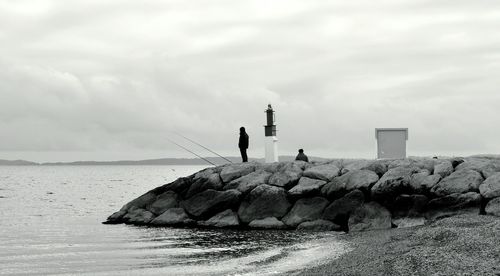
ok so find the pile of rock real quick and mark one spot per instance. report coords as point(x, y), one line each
point(349, 195)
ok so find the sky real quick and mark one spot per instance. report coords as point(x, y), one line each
point(116, 79)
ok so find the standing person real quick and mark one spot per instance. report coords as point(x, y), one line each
point(243, 144)
point(301, 156)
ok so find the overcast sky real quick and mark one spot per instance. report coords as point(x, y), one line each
point(106, 80)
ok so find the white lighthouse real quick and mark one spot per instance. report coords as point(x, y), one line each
point(271, 140)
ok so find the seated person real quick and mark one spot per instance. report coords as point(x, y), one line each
point(301, 156)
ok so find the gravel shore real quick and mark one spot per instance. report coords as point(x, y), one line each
point(467, 244)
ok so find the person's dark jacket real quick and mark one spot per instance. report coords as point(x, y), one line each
point(301, 157)
point(243, 143)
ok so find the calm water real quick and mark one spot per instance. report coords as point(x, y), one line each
point(50, 223)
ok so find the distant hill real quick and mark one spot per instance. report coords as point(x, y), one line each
point(162, 161)
point(17, 163)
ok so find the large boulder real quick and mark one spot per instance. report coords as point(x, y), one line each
point(248, 182)
point(116, 217)
point(490, 188)
point(141, 202)
point(460, 181)
point(224, 219)
point(370, 216)
point(423, 181)
point(493, 207)
point(409, 205)
point(210, 202)
point(349, 165)
point(180, 186)
point(323, 172)
point(339, 210)
point(487, 166)
point(163, 202)
point(318, 225)
point(285, 179)
point(234, 171)
point(305, 209)
point(205, 182)
point(262, 202)
point(377, 166)
point(361, 180)
point(455, 201)
point(288, 175)
point(267, 223)
point(337, 187)
point(443, 168)
point(307, 187)
point(394, 182)
point(173, 216)
point(138, 216)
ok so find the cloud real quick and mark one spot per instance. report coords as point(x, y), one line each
point(121, 76)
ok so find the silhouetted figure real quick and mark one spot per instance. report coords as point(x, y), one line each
point(243, 144)
point(301, 156)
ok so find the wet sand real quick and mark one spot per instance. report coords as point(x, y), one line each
point(467, 244)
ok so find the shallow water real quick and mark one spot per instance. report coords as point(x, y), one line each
point(51, 224)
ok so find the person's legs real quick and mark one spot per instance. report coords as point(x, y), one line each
point(244, 156)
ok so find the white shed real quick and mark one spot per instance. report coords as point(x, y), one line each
point(391, 142)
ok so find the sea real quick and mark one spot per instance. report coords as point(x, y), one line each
point(51, 224)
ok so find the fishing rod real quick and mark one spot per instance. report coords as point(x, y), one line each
point(190, 151)
point(194, 142)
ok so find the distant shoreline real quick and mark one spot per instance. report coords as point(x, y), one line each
point(148, 162)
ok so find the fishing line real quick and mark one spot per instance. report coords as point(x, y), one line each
point(194, 142)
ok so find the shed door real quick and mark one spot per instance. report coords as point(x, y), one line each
point(391, 144)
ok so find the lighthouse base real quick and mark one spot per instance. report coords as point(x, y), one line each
point(271, 149)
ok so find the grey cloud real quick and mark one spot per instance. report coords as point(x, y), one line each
point(121, 76)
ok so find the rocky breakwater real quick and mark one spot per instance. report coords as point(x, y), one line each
point(342, 195)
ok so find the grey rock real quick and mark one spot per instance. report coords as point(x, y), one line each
point(248, 182)
point(180, 186)
point(288, 175)
point(486, 166)
point(443, 168)
point(285, 179)
point(141, 202)
point(379, 167)
point(267, 223)
point(307, 187)
point(490, 188)
point(203, 183)
point(455, 201)
point(164, 202)
point(234, 171)
point(173, 216)
point(337, 187)
point(224, 219)
point(460, 181)
point(410, 205)
point(362, 180)
point(323, 172)
point(116, 217)
point(305, 209)
point(493, 207)
point(262, 202)
point(396, 181)
point(423, 181)
point(339, 210)
point(210, 202)
point(138, 216)
point(318, 225)
point(370, 216)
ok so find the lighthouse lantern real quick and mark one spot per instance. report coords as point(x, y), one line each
point(270, 136)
